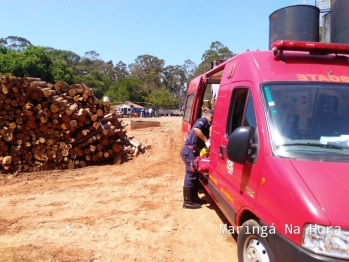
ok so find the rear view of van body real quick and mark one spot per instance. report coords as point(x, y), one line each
point(279, 155)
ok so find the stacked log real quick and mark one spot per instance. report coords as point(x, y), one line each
point(47, 126)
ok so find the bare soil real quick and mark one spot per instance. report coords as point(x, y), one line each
point(127, 212)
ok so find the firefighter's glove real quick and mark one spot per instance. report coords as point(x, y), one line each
point(208, 143)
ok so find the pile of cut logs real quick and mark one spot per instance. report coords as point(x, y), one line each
point(47, 126)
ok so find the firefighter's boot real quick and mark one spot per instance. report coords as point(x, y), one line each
point(187, 195)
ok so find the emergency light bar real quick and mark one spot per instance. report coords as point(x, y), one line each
point(311, 47)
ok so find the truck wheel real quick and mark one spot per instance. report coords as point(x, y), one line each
point(252, 246)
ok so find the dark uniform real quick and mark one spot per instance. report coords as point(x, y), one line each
point(192, 148)
point(190, 151)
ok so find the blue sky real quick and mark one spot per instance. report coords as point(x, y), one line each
point(121, 30)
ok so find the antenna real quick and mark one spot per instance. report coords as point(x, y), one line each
point(254, 30)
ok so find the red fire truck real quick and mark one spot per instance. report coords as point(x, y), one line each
point(279, 155)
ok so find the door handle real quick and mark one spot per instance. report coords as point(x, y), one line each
point(221, 151)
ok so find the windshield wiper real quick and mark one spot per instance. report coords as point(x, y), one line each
point(314, 145)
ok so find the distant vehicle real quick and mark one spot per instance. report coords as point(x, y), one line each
point(128, 111)
point(138, 110)
point(171, 112)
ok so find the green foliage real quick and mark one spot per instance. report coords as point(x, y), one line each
point(70, 58)
point(108, 69)
point(8, 62)
point(61, 71)
point(95, 80)
point(37, 63)
point(120, 71)
point(217, 51)
point(189, 68)
point(92, 55)
point(3, 49)
point(149, 69)
point(33, 61)
point(145, 80)
point(162, 98)
point(15, 43)
point(125, 90)
point(89, 71)
point(175, 81)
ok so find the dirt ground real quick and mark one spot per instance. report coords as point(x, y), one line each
point(128, 212)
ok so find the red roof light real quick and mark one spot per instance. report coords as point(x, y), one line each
point(312, 47)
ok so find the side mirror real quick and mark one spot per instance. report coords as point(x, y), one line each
point(238, 144)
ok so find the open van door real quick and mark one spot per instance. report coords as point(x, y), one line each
point(192, 104)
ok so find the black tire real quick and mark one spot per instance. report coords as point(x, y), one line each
point(252, 243)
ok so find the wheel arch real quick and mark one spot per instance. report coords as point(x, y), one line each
point(245, 215)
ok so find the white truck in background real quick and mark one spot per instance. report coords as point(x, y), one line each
point(170, 112)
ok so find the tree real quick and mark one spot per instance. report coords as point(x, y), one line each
point(120, 71)
point(37, 63)
point(149, 69)
point(94, 79)
point(217, 51)
point(61, 71)
point(8, 61)
point(92, 55)
point(3, 49)
point(162, 98)
point(109, 71)
point(147, 79)
point(69, 57)
point(175, 81)
point(189, 68)
point(33, 61)
point(92, 73)
point(15, 43)
point(107, 68)
point(125, 90)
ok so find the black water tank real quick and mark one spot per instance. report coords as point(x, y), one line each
point(340, 21)
point(297, 22)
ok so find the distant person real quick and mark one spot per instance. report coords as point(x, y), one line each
point(142, 112)
point(150, 112)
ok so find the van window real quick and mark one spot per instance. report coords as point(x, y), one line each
point(241, 114)
point(209, 100)
point(308, 120)
point(250, 120)
point(236, 109)
point(250, 115)
point(188, 107)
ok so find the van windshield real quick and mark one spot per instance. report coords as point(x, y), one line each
point(308, 119)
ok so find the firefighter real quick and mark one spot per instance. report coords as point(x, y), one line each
point(198, 138)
